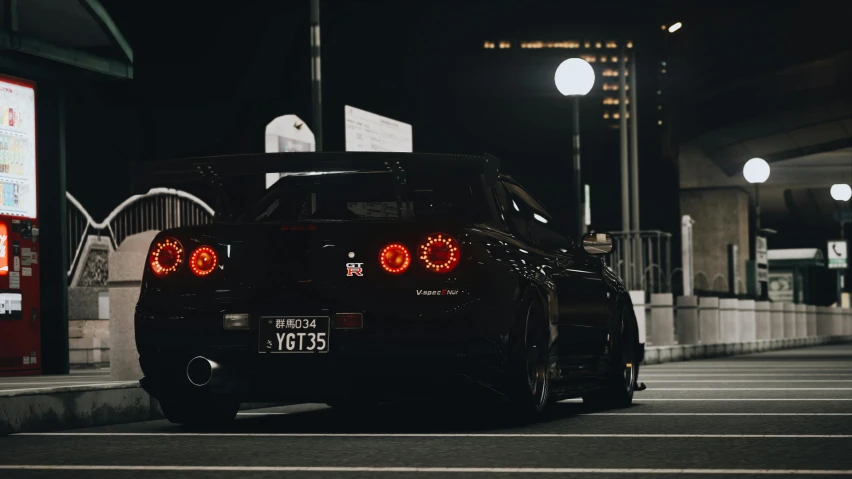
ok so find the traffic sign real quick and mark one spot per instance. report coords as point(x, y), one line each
point(837, 255)
point(762, 249)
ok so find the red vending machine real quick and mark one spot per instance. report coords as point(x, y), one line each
point(20, 324)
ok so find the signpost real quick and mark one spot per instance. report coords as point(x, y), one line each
point(837, 255)
point(762, 265)
point(287, 133)
point(367, 131)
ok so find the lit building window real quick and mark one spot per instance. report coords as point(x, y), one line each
point(614, 87)
point(489, 44)
point(505, 44)
point(603, 59)
point(659, 122)
point(587, 45)
point(663, 27)
point(614, 59)
point(540, 44)
point(589, 58)
point(606, 116)
point(629, 44)
point(609, 72)
point(663, 71)
point(659, 92)
point(616, 116)
point(615, 101)
point(611, 44)
point(597, 44)
point(659, 107)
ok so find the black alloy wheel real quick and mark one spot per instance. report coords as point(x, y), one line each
point(532, 384)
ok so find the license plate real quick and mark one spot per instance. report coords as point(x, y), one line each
point(293, 334)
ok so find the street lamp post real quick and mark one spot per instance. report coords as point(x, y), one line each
point(756, 171)
point(841, 192)
point(575, 78)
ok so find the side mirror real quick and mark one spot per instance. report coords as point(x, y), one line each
point(597, 243)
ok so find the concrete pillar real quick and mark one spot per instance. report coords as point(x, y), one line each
point(776, 320)
point(762, 320)
point(810, 314)
point(746, 319)
point(728, 320)
point(662, 319)
point(687, 320)
point(708, 321)
point(638, 299)
point(125, 278)
point(801, 321)
point(789, 320)
point(823, 321)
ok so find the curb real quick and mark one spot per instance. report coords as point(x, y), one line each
point(72, 407)
point(675, 353)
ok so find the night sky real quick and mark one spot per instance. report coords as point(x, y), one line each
point(209, 76)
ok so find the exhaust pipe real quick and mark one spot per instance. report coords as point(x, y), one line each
point(200, 370)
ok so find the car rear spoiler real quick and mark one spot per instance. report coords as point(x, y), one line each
point(214, 169)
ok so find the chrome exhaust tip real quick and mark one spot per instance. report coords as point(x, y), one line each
point(200, 370)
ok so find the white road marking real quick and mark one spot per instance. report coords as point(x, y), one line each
point(654, 375)
point(749, 389)
point(444, 470)
point(740, 399)
point(717, 414)
point(440, 435)
point(263, 413)
point(76, 385)
point(748, 380)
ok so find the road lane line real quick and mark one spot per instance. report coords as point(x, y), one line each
point(438, 435)
point(264, 413)
point(641, 400)
point(716, 414)
point(749, 389)
point(444, 470)
point(655, 380)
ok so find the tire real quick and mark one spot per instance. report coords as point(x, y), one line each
point(621, 383)
point(529, 381)
point(202, 412)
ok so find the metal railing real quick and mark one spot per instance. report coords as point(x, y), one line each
point(643, 259)
point(158, 209)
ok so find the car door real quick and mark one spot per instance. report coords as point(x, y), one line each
point(581, 290)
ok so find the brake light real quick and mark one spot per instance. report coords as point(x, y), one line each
point(203, 260)
point(439, 253)
point(395, 258)
point(166, 257)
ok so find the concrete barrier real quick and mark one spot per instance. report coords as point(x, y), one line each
point(638, 299)
point(789, 320)
point(762, 320)
point(747, 321)
point(125, 279)
point(708, 321)
point(810, 316)
point(673, 353)
point(847, 321)
point(801, 321)
point(836, 321)
point(728, 321)
point(776, 320)
point(823, 321)
point(662, 319)
point(687, 320)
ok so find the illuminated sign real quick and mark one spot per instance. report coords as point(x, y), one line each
point(367, 131)
point(17, 148)
point(4, 249)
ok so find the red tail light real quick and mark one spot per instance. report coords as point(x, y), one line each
point(166, 257)
point(395, 258)
point(203, 261)
point(439, 253)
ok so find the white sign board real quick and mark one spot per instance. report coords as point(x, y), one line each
point(781, 287)
point(837, 255)
point(761, 251)
point(285, 134)
point(367, 131)
point(17, 148)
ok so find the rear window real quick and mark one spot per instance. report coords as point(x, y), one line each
point(368, 196)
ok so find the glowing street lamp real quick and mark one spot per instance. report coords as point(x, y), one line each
point(841, 192)
point(575, 78)
point(675, 27)
point(756, 171)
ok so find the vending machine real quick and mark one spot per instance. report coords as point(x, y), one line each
point(20, 323)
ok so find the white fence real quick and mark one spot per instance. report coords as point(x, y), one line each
point(158, 209)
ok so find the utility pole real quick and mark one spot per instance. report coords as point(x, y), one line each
point(625, 169)
point(634, 170)
point(316, 79)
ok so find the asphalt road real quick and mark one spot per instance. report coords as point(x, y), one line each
point(780, 413)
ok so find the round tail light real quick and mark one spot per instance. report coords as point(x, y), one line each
point(166, 256)
point(395, 258)
point(203, 261)
point(439, 253)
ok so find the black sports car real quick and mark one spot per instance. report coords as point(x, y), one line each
point(366, 277)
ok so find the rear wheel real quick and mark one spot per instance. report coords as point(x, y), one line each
point(621, 382)
point(530, 382)
point(200, 412)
